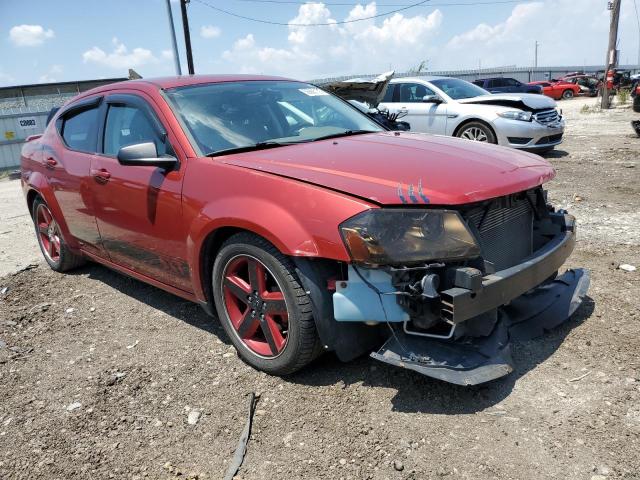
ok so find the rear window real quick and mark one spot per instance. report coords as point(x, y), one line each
point(79, 130)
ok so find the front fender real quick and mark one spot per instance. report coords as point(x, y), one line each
point(298, 218)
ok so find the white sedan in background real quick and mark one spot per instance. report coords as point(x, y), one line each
point(450, 106)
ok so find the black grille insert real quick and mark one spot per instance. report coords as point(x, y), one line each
point(505, 232)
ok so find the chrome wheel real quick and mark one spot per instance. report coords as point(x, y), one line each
point(474, 133)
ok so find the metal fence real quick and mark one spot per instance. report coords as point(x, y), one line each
point(523, 74)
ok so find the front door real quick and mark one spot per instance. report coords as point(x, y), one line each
point(139, 208)
point(422, 116)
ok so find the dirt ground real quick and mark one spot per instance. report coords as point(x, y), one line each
point(99, 373)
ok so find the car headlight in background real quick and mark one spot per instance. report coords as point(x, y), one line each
point(394, 236)
point(516, 115)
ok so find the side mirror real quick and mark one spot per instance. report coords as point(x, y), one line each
point(431, 99)
point(144, 154)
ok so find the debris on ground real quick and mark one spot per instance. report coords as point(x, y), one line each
point(193, 417)
point(241, 449)
point(627, 268)
point(73, 406)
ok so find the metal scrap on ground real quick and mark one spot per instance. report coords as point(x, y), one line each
point(241, 449)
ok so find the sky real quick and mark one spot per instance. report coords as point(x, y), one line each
point(65, 40)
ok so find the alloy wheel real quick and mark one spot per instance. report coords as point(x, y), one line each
point(255, 305)
point(474, 133)
point(48, 233)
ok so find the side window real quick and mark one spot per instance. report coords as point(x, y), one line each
point(512, 82)
point(127, 125)
point(79, 130)
point(479, 83)
point(496, 83)
point(413, 92)
point(388, 95)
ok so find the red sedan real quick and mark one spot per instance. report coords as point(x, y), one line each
point(305, 225)
point(558, 90)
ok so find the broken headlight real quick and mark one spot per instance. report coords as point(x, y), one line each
point(516, 115)
point(394, 236)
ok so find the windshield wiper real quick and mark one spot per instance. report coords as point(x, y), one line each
point(346, 133)
point(248, 148)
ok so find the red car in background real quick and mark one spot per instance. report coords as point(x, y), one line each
point(305, 225)
point(559, 89)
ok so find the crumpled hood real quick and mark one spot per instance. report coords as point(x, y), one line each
point(523, 101)
point(362, 90)
point(392, 168)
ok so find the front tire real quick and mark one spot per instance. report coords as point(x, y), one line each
point(262, 307)
point(478, 132)
point(54, 249)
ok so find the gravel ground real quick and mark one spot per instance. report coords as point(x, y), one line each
point(100, 374)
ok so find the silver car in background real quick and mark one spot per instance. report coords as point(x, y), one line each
point(450, 106)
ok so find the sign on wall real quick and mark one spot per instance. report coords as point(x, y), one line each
point(27, 123)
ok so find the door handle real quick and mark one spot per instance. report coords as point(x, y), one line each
point(101, 175)
point(403, 110)
point(50, 162)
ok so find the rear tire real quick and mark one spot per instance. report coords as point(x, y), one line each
point(567, 94)
point(55, 250)
point(477, 131)
point(253, 285)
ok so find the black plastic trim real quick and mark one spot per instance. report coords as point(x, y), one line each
point(460, 304)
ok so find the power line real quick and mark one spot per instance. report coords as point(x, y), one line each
point(259, 20)
point(353, 4)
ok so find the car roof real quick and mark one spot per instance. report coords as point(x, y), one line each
point(494, 78)
point(164, 83)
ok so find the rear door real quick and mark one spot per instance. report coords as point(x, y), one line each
point(67, 167)
point(422, 116)
point(139, 208)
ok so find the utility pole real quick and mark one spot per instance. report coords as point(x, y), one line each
point(535, 57)
point(610, 63)
point(187, 35)
point(174, 44)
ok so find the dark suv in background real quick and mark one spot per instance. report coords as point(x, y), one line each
point(506, 85)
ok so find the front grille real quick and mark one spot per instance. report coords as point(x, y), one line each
point(547, 117)
point(550, 139)
point(505, 233)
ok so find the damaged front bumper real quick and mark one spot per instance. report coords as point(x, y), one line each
point(483, 313)
point(474, 360)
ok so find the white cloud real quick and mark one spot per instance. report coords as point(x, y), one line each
point(29, 35)
point(567, 36)
point(120, 57)
point(51, 75)
point(210, 31)
point(167, 54)
point(360, 47)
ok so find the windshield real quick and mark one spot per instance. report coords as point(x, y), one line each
point(458, 89)
point(235, 115)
